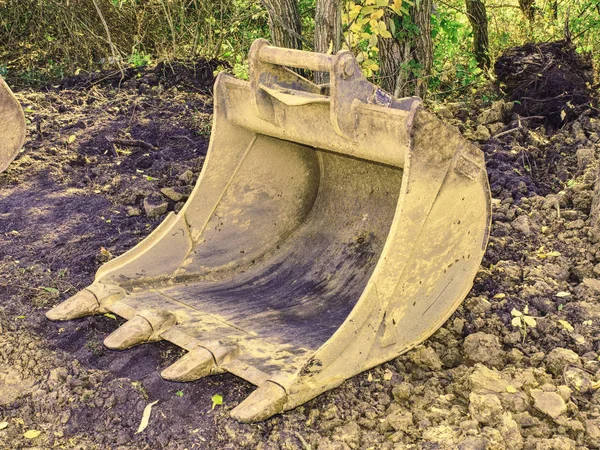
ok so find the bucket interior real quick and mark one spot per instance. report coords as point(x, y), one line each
point(290, 246)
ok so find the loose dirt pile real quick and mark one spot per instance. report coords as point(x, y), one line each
point(548, 79)
point(485, 380)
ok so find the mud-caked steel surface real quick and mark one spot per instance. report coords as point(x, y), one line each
point(12, 126)
point(332, 228)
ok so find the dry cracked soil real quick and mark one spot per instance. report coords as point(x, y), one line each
point(516, 367)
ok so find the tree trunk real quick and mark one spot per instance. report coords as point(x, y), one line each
point(528, 9)
point(284, 23)
point(477, 15)
point(328, 31)
point(407, 57)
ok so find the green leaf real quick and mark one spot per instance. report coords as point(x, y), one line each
point(110, 316)
point(179, 393)
point(216, 400)
point(560, 307)
point(149, 178)
point(51, 290)
point(31, 434)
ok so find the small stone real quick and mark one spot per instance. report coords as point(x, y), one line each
point(176, 194)
point(186, 177)
point(155, 205)
point(442, 434)
point(132, 211)
point(485, 408)
point(556, 443)
point(495, 127)
point(549, 403)
point(578, 380)
point(526, 420)
point(559, 358)
point(592, 432)
point(402, 392)
point(484, 379)
point(478, 305)
point(474, 443)
point(483, 348)
point(509, 429)
point(522, 224)
point(584, 157)
point(400, 420)
point(481, 134)
point(575, 225)
point(565, 392)
point(349, 434)
point(426, 357)
point(444, 112)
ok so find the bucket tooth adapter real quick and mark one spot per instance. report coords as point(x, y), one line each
point(332, 228)
point(12, 126)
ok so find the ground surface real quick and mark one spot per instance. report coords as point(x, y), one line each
point(75, 197)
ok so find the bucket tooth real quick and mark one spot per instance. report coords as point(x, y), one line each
point(135, 331)
point(192, 366)
point(82, 304)
point(266, 401)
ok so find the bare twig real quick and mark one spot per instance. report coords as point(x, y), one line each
point(503, 133)
point(113, 49)
point(131, 143)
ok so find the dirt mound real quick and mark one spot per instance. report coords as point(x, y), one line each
point(548, 79)
point(191, 74)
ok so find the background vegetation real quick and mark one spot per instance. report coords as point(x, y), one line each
point(42, 41)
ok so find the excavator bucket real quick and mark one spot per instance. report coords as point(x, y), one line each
point(332, 228)
point(12, 126)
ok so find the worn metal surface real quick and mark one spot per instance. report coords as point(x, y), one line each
point(12, 126)
point(328, 232)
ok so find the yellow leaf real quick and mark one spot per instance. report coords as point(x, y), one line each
point(385, 34)
point(516, 313)
point(566, 325)
point(71, 139)
point(553, 253)
point(377, 14)
point(562, 294)
point(368, 10)
point(516, 322)
point(530, 321)
point(511, 389)
point(499, 296)
point(381, 2)
point(146, 417)
point(3, 425)
point(32, 434)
